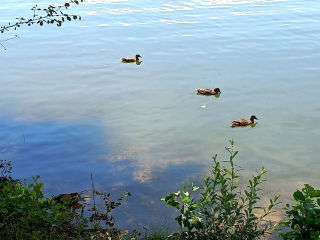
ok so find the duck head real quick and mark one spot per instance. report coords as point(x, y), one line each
point(253, 117)
point(217, 90)
point(137, 57)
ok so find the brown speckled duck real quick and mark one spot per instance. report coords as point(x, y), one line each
point(131, 59)
point(243, 122)
point(208, 91)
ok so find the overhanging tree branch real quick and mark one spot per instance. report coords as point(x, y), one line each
point(52, 15)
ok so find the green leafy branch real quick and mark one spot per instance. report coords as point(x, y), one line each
point(52, 15)
point(303, 217)
point(222, 211)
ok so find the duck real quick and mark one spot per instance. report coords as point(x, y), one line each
point(131, 59)
point(243, 122)
point(207, 91)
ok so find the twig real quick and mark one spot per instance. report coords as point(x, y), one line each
point(94, 202)
point(300, 90)
point(146, 231)
point(126, 210)
point(16, 36)
point(3, 46)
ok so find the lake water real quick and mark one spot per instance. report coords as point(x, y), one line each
point(69, 107)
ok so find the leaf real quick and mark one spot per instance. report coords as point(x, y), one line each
point(315, 193)
point(315, 235)
point(298, 195)
point(198, 224)
point(227, 171)
point(186, 199)
point(276, 198)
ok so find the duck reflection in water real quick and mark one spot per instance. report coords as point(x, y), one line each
point(138, 62)
point(253, 125)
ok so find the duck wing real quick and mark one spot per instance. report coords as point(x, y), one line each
point(240, 122)
point(205, 91)
point(128, 59)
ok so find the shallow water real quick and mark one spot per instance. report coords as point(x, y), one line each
point(69, 107)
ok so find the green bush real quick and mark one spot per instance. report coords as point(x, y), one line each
point(25, 214)
point(303, 217)
point(223, 211)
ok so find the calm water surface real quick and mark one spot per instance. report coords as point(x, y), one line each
point(69, 107)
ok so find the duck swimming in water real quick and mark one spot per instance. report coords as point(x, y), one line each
point(131, 59)
point(208, 91)
point(243, 122)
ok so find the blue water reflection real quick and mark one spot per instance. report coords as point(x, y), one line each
point(52, 146)
point(65, 155)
